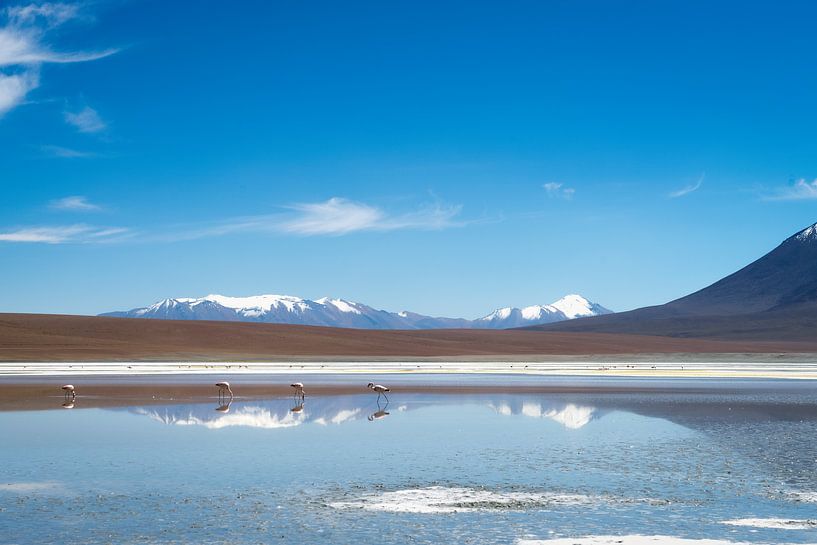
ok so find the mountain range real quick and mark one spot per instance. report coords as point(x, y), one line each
point(287, 309)
point(768, 307)
point(774, 297)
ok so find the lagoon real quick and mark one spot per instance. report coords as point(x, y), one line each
point(692, 459)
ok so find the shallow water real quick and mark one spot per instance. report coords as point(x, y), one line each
point(424, 468)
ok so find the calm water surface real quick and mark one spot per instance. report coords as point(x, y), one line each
point(424, 468)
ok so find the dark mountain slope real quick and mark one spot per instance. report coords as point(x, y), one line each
point(786, 275)
point(773, 298)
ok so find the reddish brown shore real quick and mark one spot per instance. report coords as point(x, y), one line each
point(54, 338)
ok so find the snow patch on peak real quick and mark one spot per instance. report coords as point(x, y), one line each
point(573, 306)
point(340, 304)
point(498, 314)
point(263, 303)
point(159, 305)
point(809, 233)
point(534, 312)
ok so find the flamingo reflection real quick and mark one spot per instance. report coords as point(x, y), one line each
point(225, 406)
point(380, 413)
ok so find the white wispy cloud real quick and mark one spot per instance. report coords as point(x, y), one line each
point(53, 14)
point(801, 190)
point(23, 48)
point(66, 153)
point(339, 216)
point(555, 189)
point(334, 217)
point(15, 87)
point(65, 234)
point(74, 203)
point(86, 120)
point(686, 190)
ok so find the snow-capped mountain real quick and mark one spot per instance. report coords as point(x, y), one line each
point(286, 309)
point(567, 308)
point(277, 309)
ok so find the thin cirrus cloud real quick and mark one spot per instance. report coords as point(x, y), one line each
point(75, 203)
point(65, 234)
point(686, 190)
point(801, 190)
point(339, 216)
point(555, 189)
point(66, 153)
point(86, 120)
point(334, 217)
point(23, 49)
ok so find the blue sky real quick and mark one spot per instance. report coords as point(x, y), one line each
point(446, 159)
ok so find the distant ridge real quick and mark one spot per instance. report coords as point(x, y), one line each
point(774, 297)
point(287, 309)
point(568, 307)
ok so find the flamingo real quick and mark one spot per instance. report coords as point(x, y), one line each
point(299, 389)
point(380, 389)
point(224, 386)
point(69, 391)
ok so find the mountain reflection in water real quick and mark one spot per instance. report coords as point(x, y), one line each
point(334, 410)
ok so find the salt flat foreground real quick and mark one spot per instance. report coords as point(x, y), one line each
point(448, 459)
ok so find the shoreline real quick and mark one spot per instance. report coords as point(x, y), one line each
point(42, 392)
point(779, 368)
